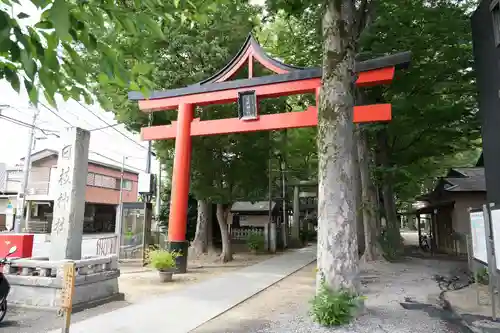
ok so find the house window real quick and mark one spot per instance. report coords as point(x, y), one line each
point(98, 180)
point(495, 12)
point(109, 182)
point(90, 179)
point(104, 181)
point(127, 185)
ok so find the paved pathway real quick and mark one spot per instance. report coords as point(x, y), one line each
point(186, 309)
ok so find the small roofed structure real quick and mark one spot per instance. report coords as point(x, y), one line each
point(447, 206)
point(253, 217)
point(255, 214)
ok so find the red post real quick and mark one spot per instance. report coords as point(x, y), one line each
point(180, 177)
point(177, 222)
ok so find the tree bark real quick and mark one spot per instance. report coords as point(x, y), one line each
point(360, 232)
point(369, 202)
point(199, 243)
point(210, 230)
point(337, 241)
point(392, 224)
point(227, 254)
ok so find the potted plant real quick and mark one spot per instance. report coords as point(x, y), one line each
point(255, 242)
point(163, 261)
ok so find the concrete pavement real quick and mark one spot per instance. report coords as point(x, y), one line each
point(478, 317)
point(186, 309)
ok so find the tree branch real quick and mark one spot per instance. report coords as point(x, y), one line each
point(416, 139)
point(363, 17)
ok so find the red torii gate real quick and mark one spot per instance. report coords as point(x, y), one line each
point(289, 80)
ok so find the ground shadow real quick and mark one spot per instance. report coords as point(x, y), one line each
point(453, 321)
point(9, 323)
point(240, 326)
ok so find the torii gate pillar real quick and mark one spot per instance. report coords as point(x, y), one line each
point(180, 185)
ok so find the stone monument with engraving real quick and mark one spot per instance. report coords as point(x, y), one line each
point(39, 281)
point(69, 199)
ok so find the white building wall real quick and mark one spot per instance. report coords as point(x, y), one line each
point(41, 244)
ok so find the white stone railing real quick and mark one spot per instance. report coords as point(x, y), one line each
point(106, 246)
point(42, 267)
point(242, 234)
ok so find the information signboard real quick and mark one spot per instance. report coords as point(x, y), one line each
point(68, 289)
point(478, 233)
point(495, 230)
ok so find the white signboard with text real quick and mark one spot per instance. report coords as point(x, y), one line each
point(495, 230)
point(478, 233)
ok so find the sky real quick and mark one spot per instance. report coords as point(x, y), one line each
point(108, 142)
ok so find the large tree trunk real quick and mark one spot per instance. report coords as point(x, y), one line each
point(210, 230)
point(199, 243)
point(392, 223)
point(227, 254)
point(337, 243)
point(369, 202)
point(360, 232)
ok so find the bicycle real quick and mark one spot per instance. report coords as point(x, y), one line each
point(446, 284)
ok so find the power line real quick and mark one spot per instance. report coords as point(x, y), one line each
point(22, 123)
point(56, 114)
point(112, 159)
point(108, 125)
point(117, 152)
point(21, 112)
point(111, 126)
point(104, 127)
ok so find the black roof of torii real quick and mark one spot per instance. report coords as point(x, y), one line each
point(399, 61)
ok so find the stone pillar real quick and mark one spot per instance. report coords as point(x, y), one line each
point(69, 199)
point(273, 238)
point(24, 225)
point(267, 238)
point(296, 216)
point(118, 230)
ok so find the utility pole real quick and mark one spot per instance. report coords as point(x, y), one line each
point(285, 212)
point(21, 194)
point(119, 220)
point(148, 158)
point(158, 193)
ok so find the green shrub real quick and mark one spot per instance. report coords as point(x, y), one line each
point(255, 241)
point(392, 244)
point(482, 276)
point(334, 308)
point(161, 259)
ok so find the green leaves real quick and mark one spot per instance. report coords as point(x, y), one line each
point(331, 308)
point(142, 68)
point(48, 53)
point(29, 65)
point(59, 16)
point(44, 25)
point(13, 78)
point(151, 25)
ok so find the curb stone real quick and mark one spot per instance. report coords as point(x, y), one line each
point(447, 306)
point(477, 324)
